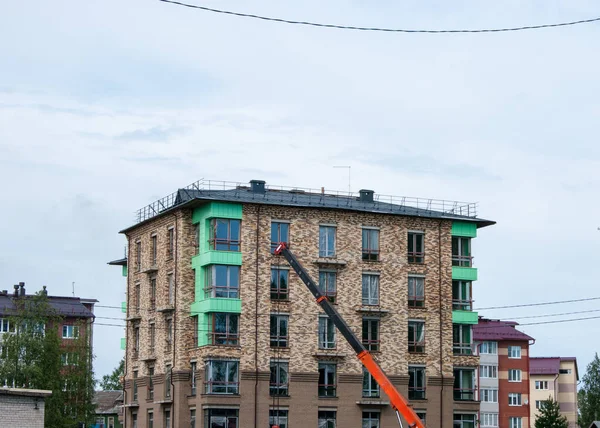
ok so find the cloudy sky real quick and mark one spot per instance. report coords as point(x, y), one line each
point(106, 106)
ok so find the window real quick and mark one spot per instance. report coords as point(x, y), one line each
point(192, 418)
point(462, 420)
point(5, 326)
point(541, 384)
point(111, 422)
point(222, 418)
point(222, 377)
point(278, 383)
point(490, 348)
point(565, 371)
point(195, 327)
point(422, 415)
point(370, 387)
point(416, 247)
point(280, 232)
point(171, 288)
point(327, 286)
point(278, 418)
point(153, 293)
point(490, 372)
point(416, 383)
point(539, 404)
point(135, 385)
point(461, 336)
point(464, 384)
point(370, 244)
point(136, 341)
point(327, 241)
point(225, 329)
point(370, 419)
point(514, 375)
point(167, 419)
point(489, 395)
point(279, 330)
point(461, 296)
point(150, 383)
point(514, 352)
point(515, 422)
point(69, 358)
point(225, 234)
point(279, 284)
point(152, 337)
point(370, 334)
point(169, 335)
point(222, 281)
point(416, 291)
point(370, 289)
point(138, 256)
point(150, 419)
point(168, 374)
point(327, 385)
point(326, 333)
point(193, 377)
point(70, 332)
point(137, 299)
point(134, 420)
point(514, 399)
point(461, 251)
point(153, 240)
point(170, 242)
point(327, 419)
point(416, 336)
point(489, 419)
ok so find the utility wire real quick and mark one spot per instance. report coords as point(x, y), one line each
point(554, 315)
point(387, 30)
point(587, 299)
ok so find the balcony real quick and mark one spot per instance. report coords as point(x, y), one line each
point(462, 305)
point(462, 349)
point(464, 394)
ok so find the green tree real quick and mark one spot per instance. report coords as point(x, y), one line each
point(589, 394)
point(550, 416)
point(112, 382)
point(33, 357)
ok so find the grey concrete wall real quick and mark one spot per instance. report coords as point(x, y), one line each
point(19, 411)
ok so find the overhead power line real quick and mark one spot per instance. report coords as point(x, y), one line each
point(587, 299)
point(386, 30)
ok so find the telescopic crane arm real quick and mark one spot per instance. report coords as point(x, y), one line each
point(398, 402)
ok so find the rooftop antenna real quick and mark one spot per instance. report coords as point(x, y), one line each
point(73, 286)
point(349, 169)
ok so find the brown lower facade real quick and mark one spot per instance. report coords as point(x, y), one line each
point(253, 406)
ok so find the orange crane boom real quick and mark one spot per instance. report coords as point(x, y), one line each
point(398, 402)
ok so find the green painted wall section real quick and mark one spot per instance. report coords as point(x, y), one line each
point(115, 418)
point(464, 273)
point(206, 257)
point(124, 307)
point(464, 317)
point(124, 270)
point(123, 343)
point(464, 228)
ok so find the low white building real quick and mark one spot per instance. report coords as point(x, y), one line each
point(22, 407)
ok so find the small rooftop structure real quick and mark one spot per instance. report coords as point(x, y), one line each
point(549, 365)
point(22, 392)
point(487, 329)
point(258, 192)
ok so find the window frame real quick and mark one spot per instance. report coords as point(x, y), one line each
point(373, 419)
point(169, 335)
point(515, 379)
point(487, 346)
point(489, 419)
point(150, 383)
point(230, 243)
point(279, 340)
point(368, 390)
point(489, 395)
point(229, 386)
point(277, 233)
point(417, 391)
point(325, 232)
point(170, 242)
point(415, 256)
point(278, 417)
point(462, 292)
point(512, 348)
point(327, 372)
point(328, 284)
point(515, 399)
point(153, 281)
point(154, 249)
point(277, 387)
point(414, 345)
point(372, 289)
point(224, 417)
point(485, 369)
point(229, 290)
point(372, 339)
point(152, 331)
point(539, 385)
point(371, 249)
point(171, 289)
point(138, 255)
point(327, 418)
point(277, 291)
point(416, 300)
point(327, 333)
point(193, 380)
point(231, 335)
point(72, 331)
point(460, 388)
point(515, 422)
point(459, 257)
point(461, 347)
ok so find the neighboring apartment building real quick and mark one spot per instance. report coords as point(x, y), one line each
point(554, 377)
point(221, 333)
point(503, 381)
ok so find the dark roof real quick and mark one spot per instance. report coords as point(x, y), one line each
point(595, 424)
point(119, 262)
point(459, 211)
point(498, 330)
point(64, 306)
point(108, 402)
point(544, 365)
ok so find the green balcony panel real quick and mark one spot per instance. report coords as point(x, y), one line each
point(217, 209)
point(124, 307)
point(124, 270)
point(464, 317)
point(464, 228)
point(123, 343)
point(464, 273)
point(216, 305)
point(213, 257)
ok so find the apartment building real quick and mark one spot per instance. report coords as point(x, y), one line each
point(220, 332)
point(503, 381)
point(556, 378)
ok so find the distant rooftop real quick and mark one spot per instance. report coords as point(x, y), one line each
point(258, 192)
point(549, 365)
point(498, 330)
point(108, 402)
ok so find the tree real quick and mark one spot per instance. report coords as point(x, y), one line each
point(589, 394)
point(112, 382)
point(33, 357)
point(550, 416)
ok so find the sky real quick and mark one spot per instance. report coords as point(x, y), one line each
point(107, 106)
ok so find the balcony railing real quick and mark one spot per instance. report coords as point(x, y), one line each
point(225, 244)
point(221, 387)
point(464, 394)
point(462, 349)
point(227, 339)
point(416, 347)
point(464, 261)
point(416, 257)
point(462, 305)
point(222, 291)
point(416, 393)
point(327, 389)
point(278, 389)
point(279, 293)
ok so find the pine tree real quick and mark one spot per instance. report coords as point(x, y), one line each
point(550, 416)
point(589, 395)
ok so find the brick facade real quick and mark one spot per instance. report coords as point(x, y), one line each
point(22, 407)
